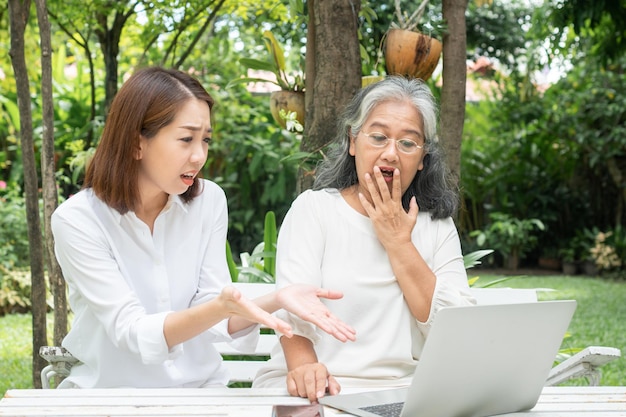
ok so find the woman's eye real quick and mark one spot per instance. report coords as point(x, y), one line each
point(407, 143)
point(208, 139)
point(186, 139)
point(379, 138)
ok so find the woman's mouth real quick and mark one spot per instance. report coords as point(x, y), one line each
point(188, 179)
point(387, 173)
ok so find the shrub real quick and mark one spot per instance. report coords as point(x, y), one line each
point(510, 236)
point(13, 229)
point(14, 292)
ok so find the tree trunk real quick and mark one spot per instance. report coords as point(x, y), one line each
point(333, 70)
point(619, 179)
point(19, 11)
point(50, 194)
point(109, 39)
point(454, 79)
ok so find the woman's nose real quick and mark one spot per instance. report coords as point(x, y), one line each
point(199, 154)
point(390, 151)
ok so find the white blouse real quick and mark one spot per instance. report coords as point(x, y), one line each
point(123, 281)
point(325, 242)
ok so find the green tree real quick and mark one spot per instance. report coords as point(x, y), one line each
point(600, 25)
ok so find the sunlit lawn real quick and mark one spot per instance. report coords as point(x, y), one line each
point(15, 352)
point(600, 320)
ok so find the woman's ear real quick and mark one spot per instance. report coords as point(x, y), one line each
point(139, 150)
point(352, 148)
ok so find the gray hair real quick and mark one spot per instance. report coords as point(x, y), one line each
point(430, 186)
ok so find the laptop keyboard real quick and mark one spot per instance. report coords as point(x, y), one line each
point(385, 410)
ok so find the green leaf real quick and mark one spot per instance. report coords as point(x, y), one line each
point(12, 110)
point(472, 259)
point(247, 80)
point(269, 238)
point(232, 267)
point(255, 275)
point(275, 50)
point(257, 64)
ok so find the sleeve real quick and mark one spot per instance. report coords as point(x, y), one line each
point(299, 252)
point(98, 287)
point(451, 288)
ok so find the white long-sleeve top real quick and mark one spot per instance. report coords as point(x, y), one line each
point(325, 242)
point(123, 281)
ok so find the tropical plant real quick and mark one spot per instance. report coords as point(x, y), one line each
point(512, 237)
point(408, 22)
point(15, 289)
point(472, 259)
point(260, 266)
point(276, 63)
point(609, 249)
point(14, 249)
point(568, 254)
point(414, 21)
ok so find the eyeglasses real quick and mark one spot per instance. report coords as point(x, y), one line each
point(404, 145)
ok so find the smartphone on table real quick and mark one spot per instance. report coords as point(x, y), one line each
point(310, 410)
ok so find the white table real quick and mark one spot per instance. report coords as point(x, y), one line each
point(245, 402)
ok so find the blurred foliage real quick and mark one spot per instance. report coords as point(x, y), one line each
point(528, 153)
point(600, 24)
point(13, 229)
point(498, 31)
point(14, 292)
point(555, 152)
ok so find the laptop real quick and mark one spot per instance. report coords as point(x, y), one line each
point(478, 361)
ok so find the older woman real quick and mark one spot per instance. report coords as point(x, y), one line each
point(378, 227)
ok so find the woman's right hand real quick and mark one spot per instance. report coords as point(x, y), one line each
point(235, 304)
point(305, 301)
point(311, 381)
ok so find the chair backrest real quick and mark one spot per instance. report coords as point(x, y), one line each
point(504, 295)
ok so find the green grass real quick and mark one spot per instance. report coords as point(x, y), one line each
point(600, 319)
point(15, 352)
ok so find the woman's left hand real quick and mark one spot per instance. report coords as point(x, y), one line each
point(304, 301)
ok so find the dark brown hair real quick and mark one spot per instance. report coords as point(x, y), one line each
point(146, 103)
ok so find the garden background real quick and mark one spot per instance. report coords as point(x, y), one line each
point(542, 156)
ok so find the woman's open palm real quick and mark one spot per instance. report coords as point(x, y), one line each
point(304, 301)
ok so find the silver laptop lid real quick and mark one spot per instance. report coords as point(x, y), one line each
point(488, 359)
point(479, 361)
